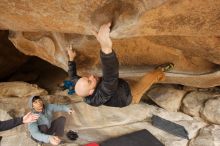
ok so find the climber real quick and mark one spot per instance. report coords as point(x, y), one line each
point(9, 124)
point(110, 90)
point(44, 130)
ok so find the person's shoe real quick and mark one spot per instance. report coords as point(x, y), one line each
point(166, 67)
point(71, 135)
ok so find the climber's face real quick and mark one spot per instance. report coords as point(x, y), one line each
point(85, 86)
point(38, 105)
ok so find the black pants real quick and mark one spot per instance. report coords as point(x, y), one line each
point(56, 128)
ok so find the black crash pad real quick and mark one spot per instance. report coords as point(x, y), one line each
point(169, 127)
point(138, 138)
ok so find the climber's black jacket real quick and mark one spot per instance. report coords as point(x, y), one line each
point(111, 90)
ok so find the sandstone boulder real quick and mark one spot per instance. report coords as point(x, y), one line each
point(167, 97)
point(130, 18)
point(101, 123)
point(193, 102)
point(211, 110)
point(20, 89)
point(208, 136)
point(96, 123)
point(89, 117)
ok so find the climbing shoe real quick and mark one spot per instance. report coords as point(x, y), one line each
point(166, 67)
point(72, 135)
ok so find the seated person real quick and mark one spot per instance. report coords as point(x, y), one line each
point(44, 129)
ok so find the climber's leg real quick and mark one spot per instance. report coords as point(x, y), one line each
point(147, 80)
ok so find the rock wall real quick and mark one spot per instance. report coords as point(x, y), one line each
point(145, 33)
point(130, 17)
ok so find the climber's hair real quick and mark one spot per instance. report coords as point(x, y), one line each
point(35, 98)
